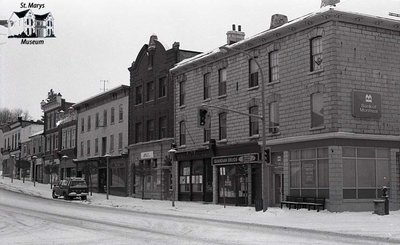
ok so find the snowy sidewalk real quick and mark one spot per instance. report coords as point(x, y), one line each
point(355, 224)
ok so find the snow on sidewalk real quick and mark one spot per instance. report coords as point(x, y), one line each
point(355, 223)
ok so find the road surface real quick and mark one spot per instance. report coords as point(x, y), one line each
point(27, 219)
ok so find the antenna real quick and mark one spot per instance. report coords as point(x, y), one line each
point(104, 89)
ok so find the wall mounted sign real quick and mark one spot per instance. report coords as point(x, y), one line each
point(147, 155)
point(236, 159)
point(366, 105)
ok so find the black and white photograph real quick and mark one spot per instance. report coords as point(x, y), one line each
point(199, 122)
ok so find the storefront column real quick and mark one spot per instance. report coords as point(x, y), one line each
point(215, 184)
point(335, 203)
point(394, 193)
point(175, 180)
point(286, 174)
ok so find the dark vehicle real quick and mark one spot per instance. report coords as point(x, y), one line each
point(70, 188)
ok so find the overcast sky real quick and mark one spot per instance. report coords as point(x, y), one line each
point(98, 40)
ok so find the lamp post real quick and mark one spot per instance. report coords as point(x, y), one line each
point(34, 169)
point(172, 154)
point(265, 171)
point(107, 156)
point(64, 159)
point(12, 167)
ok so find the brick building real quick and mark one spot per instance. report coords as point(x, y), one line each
point(151, 119)
point(331, 99)
point(103, 130)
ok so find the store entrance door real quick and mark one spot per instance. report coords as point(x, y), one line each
point(233, 185)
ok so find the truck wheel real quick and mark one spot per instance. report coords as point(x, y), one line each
point(54, 195)
point(66, 197)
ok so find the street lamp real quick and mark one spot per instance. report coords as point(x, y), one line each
point(34, 170)
point(172, 154)
point(12, 167)
point(64, 159)
point(265, 171)
point(107, 156)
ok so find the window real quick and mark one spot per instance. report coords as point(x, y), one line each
point(162, 86)
point(184, 176)
point(222, 82)
point(138, 132)
point(181, 93)
point(96, 146)
point(273, 61)
point(73, 137)
point(309, 172)
point(82, 125)
point(112, 119)
point(206, 86)
point(139, 95)
point(150, 91)
point(273, 117)
point(121, 113)
point(253, 120)
point(317, 110)
point(222, 125)
point(207, 133)
point(163, 127)
point(97, 120)
point(88, 147)
point(182, 133)
point(150, 130)
point(105, 118)
point(81, 148)
point(112, 143)
point(316, 54)
point(253, 73)
point(120, 140)
point(89, 123)
point(365, 171)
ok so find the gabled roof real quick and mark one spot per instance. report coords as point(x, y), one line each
point(41, 16)
point(22, 13)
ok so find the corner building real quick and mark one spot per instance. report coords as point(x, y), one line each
point(331, 109)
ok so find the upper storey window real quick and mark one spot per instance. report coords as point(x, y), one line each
point(316, 54)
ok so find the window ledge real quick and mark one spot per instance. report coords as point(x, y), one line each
point(274, 134)
point(317, 128)
point(222, 96)
point(273, 83)
point(255, 136)
point(139, 104)
point(182, 147)
point(207, 100)
point(315, 72)
point(253, 88)
point(182, 107)
point(149, 101)
point(223, 141)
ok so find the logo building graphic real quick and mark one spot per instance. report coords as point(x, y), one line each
point(26, 24)
point(368, 98)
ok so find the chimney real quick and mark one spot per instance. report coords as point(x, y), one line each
point(277, 20)
point(329, 2)
point(234, 36)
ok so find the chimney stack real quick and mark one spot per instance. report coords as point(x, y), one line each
point(278, 20)
point(235, 36)
point(329, 3)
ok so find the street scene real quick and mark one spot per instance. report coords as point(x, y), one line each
point(228, 122)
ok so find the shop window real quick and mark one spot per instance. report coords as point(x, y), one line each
point(365, 171)
point(184, 177)
point(197, 176)
point(309, 172)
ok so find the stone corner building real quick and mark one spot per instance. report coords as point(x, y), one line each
point(331, 99)
point(151, 119)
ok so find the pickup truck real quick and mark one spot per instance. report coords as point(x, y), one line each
point(70, 188)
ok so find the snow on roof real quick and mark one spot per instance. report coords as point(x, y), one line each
point(37, 133)
point(100, 94)
point(22, 14)
point(369, 8)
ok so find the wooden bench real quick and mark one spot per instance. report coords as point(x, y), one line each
point(304, 202)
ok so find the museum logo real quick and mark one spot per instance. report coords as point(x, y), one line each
point(30, 27)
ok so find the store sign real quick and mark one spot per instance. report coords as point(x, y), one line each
point(147, 155)
point(366, 105)
point(236, 159)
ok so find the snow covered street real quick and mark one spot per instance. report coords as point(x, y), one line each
point(27, 219)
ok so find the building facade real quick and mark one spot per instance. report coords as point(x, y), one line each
point(103, 130)
point(67, 126)
point(151, 119)
point(52, 108)
point(331, 112)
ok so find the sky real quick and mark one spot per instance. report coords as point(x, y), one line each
point(99, 39)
